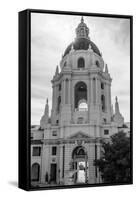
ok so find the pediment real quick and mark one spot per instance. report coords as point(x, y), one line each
point(79, 135)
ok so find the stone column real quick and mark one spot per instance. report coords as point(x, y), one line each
point(89, 97)
point(106, 96)
point(86, 168)
point(63, 92)
point(66, 91)
point(96, 91)
point(45, 163)
point(55, 97)
point(98, 157)
point(60, 163)
point(91, 90)
point(91, 167)
point(69, 92)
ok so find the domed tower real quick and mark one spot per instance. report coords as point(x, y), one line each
point(81, 91)
point(81, 113)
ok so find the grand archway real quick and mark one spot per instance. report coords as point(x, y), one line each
point(80, 93)
point(80, 165)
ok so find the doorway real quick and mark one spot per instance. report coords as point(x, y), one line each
point(53, 172)
point(80, 165)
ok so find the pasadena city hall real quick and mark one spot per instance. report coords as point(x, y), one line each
point(66, 144)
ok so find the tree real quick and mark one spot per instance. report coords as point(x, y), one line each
point(114, 163)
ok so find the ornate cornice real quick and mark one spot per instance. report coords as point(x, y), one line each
point(67, 141)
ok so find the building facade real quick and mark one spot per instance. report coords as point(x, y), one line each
point(66, 144)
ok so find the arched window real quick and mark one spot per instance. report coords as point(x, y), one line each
point(78, 151)
point(35, 172)
point(59, 102)
point(80, 93)
point(59, 86)
point(94, 90)
point(97, 63)
point(102, 85)
point(66, 91)
point(103, 102)
point(81, 63)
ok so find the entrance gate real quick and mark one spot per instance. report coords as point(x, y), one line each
point(80, 165)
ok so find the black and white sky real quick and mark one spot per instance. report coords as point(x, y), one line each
point(52, 33)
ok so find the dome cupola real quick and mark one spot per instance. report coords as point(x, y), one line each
point(82, 40)
point(82, 31)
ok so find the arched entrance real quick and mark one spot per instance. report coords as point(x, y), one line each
point(80, 164)
point(35, 172)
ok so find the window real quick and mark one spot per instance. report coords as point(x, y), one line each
point(54, 151)
point(94, 90)
point(106, 132)
point(59, 86)
point(54, 133)
point(102, 85)
point(104, 120)
point(97, 63)
point(57, 121)
point(66, 91)
point(36, 151)
point(103, 103)
point(35, 172)
point(59, 102)
point(81, 63)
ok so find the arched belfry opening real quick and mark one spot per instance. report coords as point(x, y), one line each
point(80, 164)
point(81, 63)
point(80, 95)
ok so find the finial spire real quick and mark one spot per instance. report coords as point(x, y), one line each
point(57, 70)
point(118, 118)
point(82, 31)
point(82, 19)
point(46, 111)
point(45, 117)
point(116, 105)
point(106, 68)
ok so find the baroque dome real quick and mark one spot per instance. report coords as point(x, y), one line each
point(82, 41)
point(82, 44)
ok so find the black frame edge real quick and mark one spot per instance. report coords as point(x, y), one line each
point(131, 95)
point(78, 13)
point(24, 92)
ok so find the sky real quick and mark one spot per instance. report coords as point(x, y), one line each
point(50, 36)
